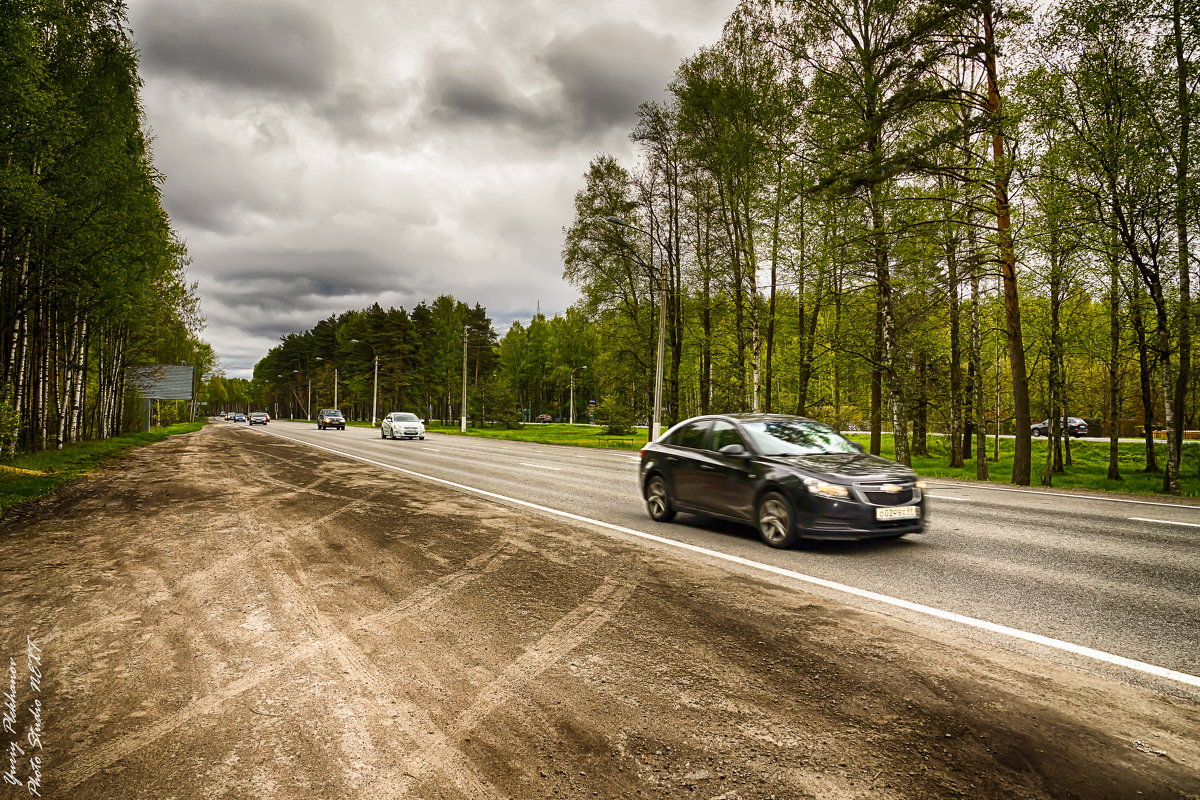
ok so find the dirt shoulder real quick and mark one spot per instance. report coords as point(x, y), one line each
point(235, 616)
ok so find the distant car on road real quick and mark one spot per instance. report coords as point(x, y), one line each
point(239, 417)
point(401, 424)
point(259, 418)
point(331, 418)
point(543, 418)
point(790, 477)
point(1073, 426)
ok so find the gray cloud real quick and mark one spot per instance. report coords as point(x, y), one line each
point(321, 157)
point(606, 70)
point(250, 44)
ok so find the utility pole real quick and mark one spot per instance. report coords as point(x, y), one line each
point(463, 427)
point(335, 405)
point(375, 393)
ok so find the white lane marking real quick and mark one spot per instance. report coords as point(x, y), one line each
point(948, 497)
point(982, 624)
point(434, 449)
point(1056, 494)
point(1166, 522)
point(540, 466)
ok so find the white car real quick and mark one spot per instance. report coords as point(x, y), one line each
point(401, 424)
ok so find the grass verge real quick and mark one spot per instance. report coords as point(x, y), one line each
point(553, 433)
point(1088, 471)
point(33, 475)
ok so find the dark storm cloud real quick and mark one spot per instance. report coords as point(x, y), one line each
point(606, 70)
point(250, 44)
point(463, 88)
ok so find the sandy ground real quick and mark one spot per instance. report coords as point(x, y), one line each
point(224, 615)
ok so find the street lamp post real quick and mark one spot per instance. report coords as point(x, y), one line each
point(662, 328)
point(583, 366)
point(375, 388)
point(335, 381)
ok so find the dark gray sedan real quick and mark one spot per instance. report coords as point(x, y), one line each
point(790, 477)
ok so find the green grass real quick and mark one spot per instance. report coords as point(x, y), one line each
point(1089, 471)
point(552, 433)
point(48, 470)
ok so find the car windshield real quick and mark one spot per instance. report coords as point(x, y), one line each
point(331, 412)
point(793, 437)
point(407, 418)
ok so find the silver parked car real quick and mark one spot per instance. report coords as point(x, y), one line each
point(401, 424)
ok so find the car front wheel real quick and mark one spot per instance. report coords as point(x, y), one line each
point(658, 500)
point(775, 520)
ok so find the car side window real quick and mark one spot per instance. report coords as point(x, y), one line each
point(725, 433)
point(693, 435)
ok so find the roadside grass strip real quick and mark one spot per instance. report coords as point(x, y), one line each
point(30, 476)
point(896, 602)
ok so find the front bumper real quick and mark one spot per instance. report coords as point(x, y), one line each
point(854, 518)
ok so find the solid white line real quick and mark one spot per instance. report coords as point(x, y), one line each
point(1166, 522)
point(944, 485)
point(434, 449)
point(539, 466)
point(947, 497)
point(992, 627)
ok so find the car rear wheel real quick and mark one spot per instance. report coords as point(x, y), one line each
point(775, 520)
point(658, 500)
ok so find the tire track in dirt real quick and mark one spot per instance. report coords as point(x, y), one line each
point(85, 766)
point(413, 721)
point(568, 633)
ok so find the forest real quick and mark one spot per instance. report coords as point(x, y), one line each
point(901, 217)
point(92, 277)
point(915, 217)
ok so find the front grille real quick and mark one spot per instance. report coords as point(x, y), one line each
point(903, 497)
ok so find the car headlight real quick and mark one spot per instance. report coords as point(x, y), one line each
point(920, 484)
point(825, 489)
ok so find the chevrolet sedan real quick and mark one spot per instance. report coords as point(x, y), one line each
point(789, 477)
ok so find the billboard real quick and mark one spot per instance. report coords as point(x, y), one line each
point(163, 381)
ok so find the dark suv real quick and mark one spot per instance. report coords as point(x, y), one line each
point(790, 477)
point(331, 418)
point(1073, 426)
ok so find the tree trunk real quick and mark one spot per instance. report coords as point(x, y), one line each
point(1022, 453)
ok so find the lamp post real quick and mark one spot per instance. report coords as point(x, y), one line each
point(308, 404)
point(582, 366)
point(375, 388)
point(662, 328)
point(335, 381)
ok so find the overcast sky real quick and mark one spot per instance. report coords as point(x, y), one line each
point(323, 156)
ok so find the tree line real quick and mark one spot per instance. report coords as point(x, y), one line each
point(92, 277)
point(912, 216)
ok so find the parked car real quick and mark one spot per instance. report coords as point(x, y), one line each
point(1074, 426)
point(543, 418)
point(259, 418)
point(331, 418)
point(401, 424)
point(790, 477)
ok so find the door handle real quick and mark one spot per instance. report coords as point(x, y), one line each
point(708, 467)
point(672, 460)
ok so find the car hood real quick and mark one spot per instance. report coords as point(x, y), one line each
point(848, 467)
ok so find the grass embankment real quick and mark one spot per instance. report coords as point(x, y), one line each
point(1089, 471)
point(29, 476)
point(554, 433)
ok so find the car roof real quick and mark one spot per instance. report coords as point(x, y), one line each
point(750, 417)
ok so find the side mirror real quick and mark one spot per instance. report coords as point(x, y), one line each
point(733, 450)
point(858, 447)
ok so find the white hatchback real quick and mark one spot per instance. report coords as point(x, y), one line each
point(401, 424)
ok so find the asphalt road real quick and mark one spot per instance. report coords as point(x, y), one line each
point(1117, 575)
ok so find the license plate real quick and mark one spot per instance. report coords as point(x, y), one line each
point(898, 512)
